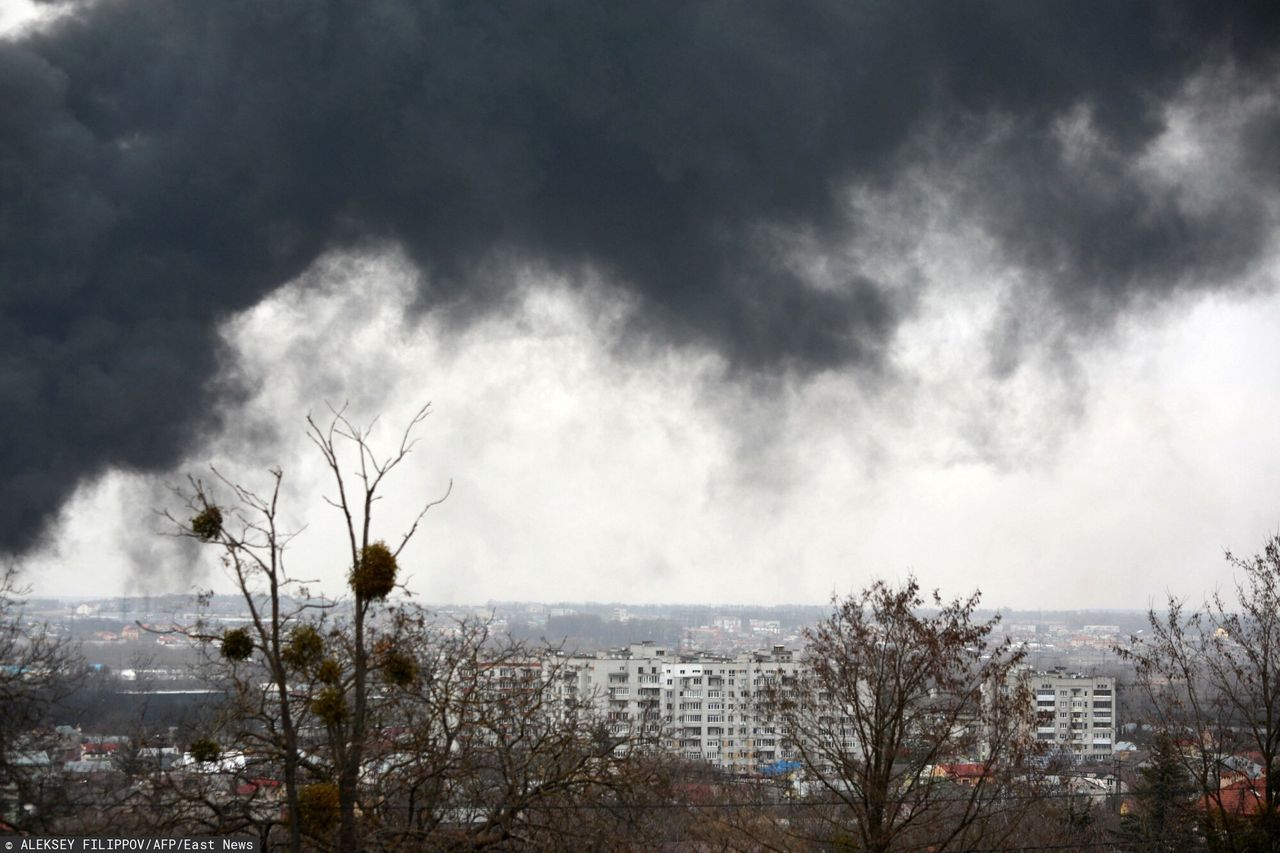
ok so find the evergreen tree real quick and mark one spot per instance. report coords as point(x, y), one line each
point(1160, 818)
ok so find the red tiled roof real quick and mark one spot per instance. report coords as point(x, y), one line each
point(252, 787)
point(962, 771)
point(1239, 798)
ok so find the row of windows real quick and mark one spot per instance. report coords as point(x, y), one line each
point(1098, 702)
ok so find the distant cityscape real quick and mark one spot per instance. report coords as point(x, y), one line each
point(620, 655)
point(117, 629)
point(705, 686)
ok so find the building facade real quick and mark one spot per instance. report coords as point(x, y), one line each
point(1075, 713)
point(701, 706)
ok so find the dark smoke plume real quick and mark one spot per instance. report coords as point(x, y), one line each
point(164, 163)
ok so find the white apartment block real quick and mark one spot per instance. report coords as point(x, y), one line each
point(1074, 713)
point(702, 706)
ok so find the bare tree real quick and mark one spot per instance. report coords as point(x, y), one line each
point(373, 576)
point(889, 695)
point(312, 722)
point(246, 531)
point(1213, 677)
point(481, 750)
point(37, 669)
point(389, 728)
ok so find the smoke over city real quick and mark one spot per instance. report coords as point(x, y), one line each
point(165, 165)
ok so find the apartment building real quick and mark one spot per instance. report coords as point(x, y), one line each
point(624, 685)
point(703, 706)
point(1074, 712)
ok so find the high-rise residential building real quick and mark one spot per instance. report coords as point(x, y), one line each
point(1074, 712)
point(705, 707)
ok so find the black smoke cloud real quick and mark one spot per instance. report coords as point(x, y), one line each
point(164, 164)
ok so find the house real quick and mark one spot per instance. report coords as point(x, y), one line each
point(100, 751)
point(160, 757)
point(1242, 797)
point(967, 774)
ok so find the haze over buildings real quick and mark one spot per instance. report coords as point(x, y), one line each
point(713, 303)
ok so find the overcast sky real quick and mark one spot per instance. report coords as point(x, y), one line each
point(725, 303)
